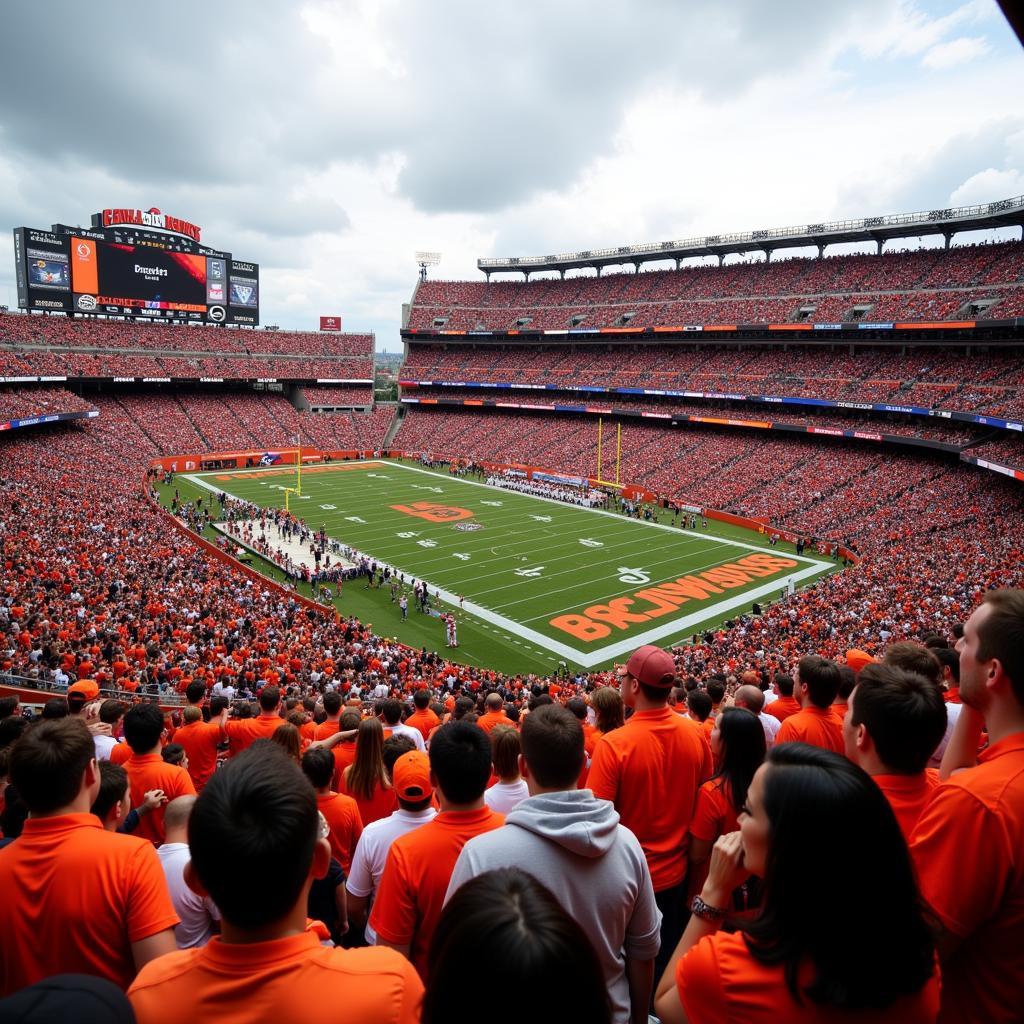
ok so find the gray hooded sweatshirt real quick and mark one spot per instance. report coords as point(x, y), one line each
point(573, 844)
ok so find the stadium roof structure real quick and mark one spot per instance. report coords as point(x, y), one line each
point(1002, 213)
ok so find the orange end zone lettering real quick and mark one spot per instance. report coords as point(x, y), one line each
point(581, 627)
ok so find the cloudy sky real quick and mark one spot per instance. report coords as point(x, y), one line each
point(330, 141)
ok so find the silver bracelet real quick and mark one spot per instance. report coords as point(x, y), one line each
point(705, 911)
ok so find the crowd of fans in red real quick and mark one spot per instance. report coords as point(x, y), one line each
point(331, 396)
point(26, 402)
point(932, 284)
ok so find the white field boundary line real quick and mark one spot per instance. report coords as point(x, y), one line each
point(588, 659)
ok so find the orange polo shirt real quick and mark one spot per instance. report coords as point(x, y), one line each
point(342, 814)
point(653, 753)
point(968, 847)
point(149, 771)
point(244, 732)
point(344, 755)
point(75, 898)
point(908, 795)
point(308, 731)
point(719, 982)
point(120, 753)
point(782, 708)
point(416, 876)
point(426, 721)
point(289, 981)
point(491, 719)
point(327, 729)
point(380, 805)
point(814, 725)
point(200, 740)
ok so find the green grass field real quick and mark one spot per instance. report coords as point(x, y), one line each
point(542, 581)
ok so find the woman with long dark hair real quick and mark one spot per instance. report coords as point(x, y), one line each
point(366, 779)
point(533, 943)
point(738, 745)
point(859, 950)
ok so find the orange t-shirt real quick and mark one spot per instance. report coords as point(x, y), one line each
point(635, 766)
point(416, 876)
point(120, 753)
point(327, 729)
point(814, 725)
point(244, 732)
point(426, 721)
point(75, 898)
point(344, 755)
point(782, 708)
point(908, 795)
point(968, 848)
point(200, 740)
point(714, 814)
point(149, 771)
point(491, 719)
point(342, 814)
point(308, 731)
point(380, 805)
point(839, 709)
point(719, 982)
point(289, 981)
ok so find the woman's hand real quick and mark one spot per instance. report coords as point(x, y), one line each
point(726, 871)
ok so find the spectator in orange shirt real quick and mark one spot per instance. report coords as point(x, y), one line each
point(816, 685)
point(698, 707)
point(847, 681)
point(419, 864)
point(366, 780)
point(331, 724)
point(521, 924)
point(810, 816)
point(632, 767)
point(200, 741)
point(786, 704)
point(494, 714)
point(256, 821)
point(147, 770)
point(896, 719)
point(77, 899)
point(341, 812)
point(976, 821)
point(243, 732)
point(344, 751)
point(423, 718)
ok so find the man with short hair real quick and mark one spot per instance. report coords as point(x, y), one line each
point(77, 899)
point(199, 916)
point(243, 732)
point(111, 713)
point(410, 778)
point(494, 715)
point(200, 741)
point(785, 703)
point(969, 842)
point(419, 864)
point(255, 850)
point(423, 718)
point(895, 720)
point(656, 753)
point(816, 685)
point(340, 811)
point(391, 719)
point(147, 770)
point(572, 843)
point(752, 698)
point(330, 725)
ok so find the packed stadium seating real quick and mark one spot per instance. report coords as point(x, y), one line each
point(332, 396)
point(26, 402)
point(933, 284)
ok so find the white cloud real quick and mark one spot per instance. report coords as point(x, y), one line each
point(957, 51)
point(987, 186)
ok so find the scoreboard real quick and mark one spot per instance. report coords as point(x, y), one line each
point(134, 263)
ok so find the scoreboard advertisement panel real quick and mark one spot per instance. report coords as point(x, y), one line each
point(137, 264)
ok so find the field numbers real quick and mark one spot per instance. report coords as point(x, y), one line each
point(532, 573)
point(628, 575)
point(461, 556)
point(328, 508)
point(356, 519)
point(423, 487)
point(541, 519)
point(427, 543)
point(587, 542)
point(493, 504)
point(407, 534)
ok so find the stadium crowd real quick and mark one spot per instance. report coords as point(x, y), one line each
point(27, 402)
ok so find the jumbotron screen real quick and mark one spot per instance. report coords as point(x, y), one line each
point(134, 263)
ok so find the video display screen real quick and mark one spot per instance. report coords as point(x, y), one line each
point(244, 292)
point(130, 274)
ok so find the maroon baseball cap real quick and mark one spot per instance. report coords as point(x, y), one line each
point(652, 666)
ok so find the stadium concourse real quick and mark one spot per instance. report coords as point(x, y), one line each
point(797, 740)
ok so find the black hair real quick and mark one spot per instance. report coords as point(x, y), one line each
point(821, 677)
point(460, 757)
point(526, 930)
point(270, 698)
point(827, 820)
point(195, 691)
point(7, 706)
point(113, 786)
point(421, 698)
point(847, 681)
point(56, 708)
point(744, 747)
point(784, 683)
point(173, 753)
point(948, 658)
point(391, 709)
point(394, 747)
point(552, 744)
point(48, 762)
point(256, 819)
point(143, 727)
point(699, 704)
point(716, 689)
point(578, 706)
point(332, 702)
point(904, 713)
point(218, 702)
point(318, 765)
point(10, 729)
point(112, 711)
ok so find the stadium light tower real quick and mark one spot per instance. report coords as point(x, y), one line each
point(427, 259)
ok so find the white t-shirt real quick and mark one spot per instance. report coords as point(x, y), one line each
point(771, 726)
point(502, 797)
point(104, 745)
point(407, 730)
point(371, 852)
point(197, 913)
point(952, 714)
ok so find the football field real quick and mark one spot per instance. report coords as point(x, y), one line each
point(538, 578)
